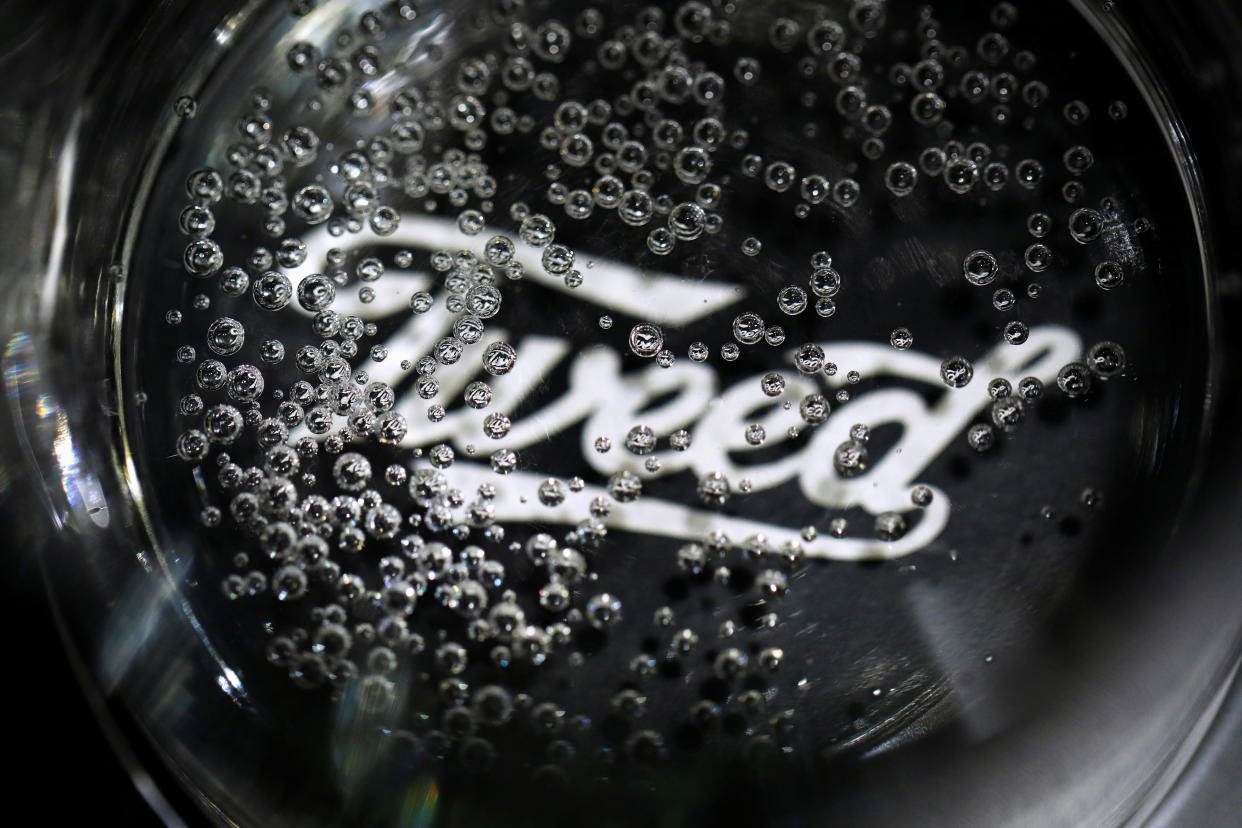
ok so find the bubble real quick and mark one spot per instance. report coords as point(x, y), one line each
point(927, 108)
point(660, 241)
point(901, 339)
point(850, 458)
point(791, 300)
point(956, 371)
point(1109, 275)
point(625, 486)
point(496, 425)
point(471, 222)
point(272, 291)
point(980, 267)
point(825, 281)
point(698, 351)
point(1008, 413)
point(687, 220)
point(316, 292)
point(244, 383)
point(921, 496)
point(312, 203)
point(646, 340)
point(204, 186)
point(932, 160)
point(1074, 380)
point(636, 208)
point(755, 434)
point(352, 472)
point(889, 526)
point(478, 395)
point(1029, 172)
point(234, 281)
point(679, 440)
point(557, 259)
point(814, 409)
point(981, 437)
point(846, 192)
point(1030, 388)
point(809, 358)
point(499, 358)
point(960, 174)
point(640, 440)
point(197, 220)
point(748, 328)
point(503, 461)
point(1078, 159)
point(192, 446)
point(1085, 225)
point(779, 176)
point(421, 301)
point(203, 257)
point(483, 301)
point(713, 489)
point(901, 178)
point(603, 610)
point(772, 384)
point(1106, 359)
point(730, 664)
point(468, 328)
point(1038, 257)
point(225, 336)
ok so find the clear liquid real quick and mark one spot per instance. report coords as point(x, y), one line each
point(868, 615)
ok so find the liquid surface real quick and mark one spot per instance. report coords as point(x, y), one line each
point(552, 393)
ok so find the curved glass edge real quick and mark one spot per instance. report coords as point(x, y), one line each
point(61, 468)
point(1204, 77)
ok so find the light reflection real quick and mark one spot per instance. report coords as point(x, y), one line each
point(83, 493)
point(419, 806)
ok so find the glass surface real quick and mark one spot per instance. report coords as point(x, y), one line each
point(491, 413)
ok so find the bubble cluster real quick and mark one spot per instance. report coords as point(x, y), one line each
point(408, 489)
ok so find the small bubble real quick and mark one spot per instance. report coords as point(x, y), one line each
point(981, 437)
point(1106, 359)
point(646, 340)
point(1085, 225)
point(956, 371)
point(1016, 332)
point(1074, 380)
point(980, 267)
point(1109, 275)
point(901, 178)
point(1003, 299)
point(185, 107)
point(772, 384)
